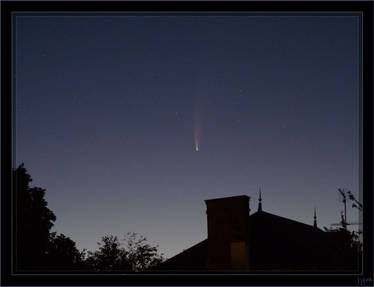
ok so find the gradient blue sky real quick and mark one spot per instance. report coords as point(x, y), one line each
point(107, 107)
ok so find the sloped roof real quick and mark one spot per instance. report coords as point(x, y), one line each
point(278, 223)
point(272, 239)
point(193, 258)
point(279, 242)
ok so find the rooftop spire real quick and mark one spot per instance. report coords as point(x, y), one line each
point(315, 218)
point(259, 201)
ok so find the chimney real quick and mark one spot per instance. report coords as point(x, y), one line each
point(228, 232)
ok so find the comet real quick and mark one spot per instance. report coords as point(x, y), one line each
point(197, 125)
point(196, 134)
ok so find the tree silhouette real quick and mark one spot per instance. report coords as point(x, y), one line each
point(33, 222)
point(39, 249)
point(137, 255)
point(348, 242)
point(141, 254)
point(109, 257)
point(62, 253)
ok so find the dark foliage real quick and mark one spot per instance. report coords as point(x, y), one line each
point(348, 248)
point(33, 222)
point(109, 257)
point(136, 256)
point(37, 249)
point(141, 254)
point(62, 253)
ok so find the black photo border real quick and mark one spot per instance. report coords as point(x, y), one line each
point(7, 10)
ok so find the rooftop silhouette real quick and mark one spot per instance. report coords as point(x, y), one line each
point(264, 242)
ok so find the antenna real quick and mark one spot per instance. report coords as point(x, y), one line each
point(315, 218)
point(344, 200)
point(259, 200)
point(343, 214)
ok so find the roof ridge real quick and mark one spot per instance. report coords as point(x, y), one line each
point(283, 218)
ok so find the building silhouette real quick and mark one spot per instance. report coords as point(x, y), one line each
point(264, 242)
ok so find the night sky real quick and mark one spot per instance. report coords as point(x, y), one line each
point(111, 110)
